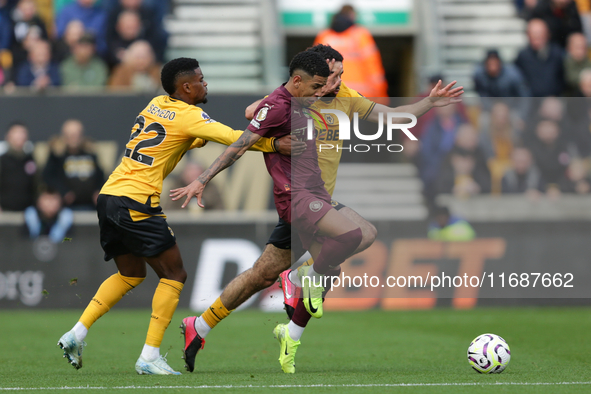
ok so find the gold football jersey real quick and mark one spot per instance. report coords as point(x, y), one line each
point(163, 132)
point(328, 159)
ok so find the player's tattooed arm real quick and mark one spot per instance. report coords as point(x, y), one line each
point(225, 160)
point(439, 97)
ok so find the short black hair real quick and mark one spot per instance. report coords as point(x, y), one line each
point(492, 53)
point(309, 62)
point(16, 123)
point(327, 52)
point(175, 69)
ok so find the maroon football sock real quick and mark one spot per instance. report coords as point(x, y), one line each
point(336, 250)
point(301, 317)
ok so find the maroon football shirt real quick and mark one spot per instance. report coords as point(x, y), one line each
point(276, 117)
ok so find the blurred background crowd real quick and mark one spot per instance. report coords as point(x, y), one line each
point(525, 127)
point(529, 130)
point(81, 44)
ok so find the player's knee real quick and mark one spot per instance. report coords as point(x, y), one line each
point(369, 234)
point(350, 241)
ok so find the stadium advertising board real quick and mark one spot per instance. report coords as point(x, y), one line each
point(498, 268)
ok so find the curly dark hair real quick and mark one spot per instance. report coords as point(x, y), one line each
point(326, 51)
point(309, 62)
point(175, 69)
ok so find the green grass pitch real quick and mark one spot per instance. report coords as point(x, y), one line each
point(345, 352)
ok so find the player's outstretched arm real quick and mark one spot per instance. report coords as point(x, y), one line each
point(439, 97)
point(225, 160)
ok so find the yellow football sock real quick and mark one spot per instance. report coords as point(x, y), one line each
point(216, 313)
point(310, 261)
point(166, 298)
point(108, 294)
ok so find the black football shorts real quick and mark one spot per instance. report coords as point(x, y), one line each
point(127, 226)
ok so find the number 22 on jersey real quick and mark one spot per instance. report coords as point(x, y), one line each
point(134, 152)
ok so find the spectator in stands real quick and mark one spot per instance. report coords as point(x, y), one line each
point(73, 168)
point(584, 7)
point(48, 217)
point(585, 83)
point(562, 18)
point(437, 141)
point(498, 137)
point(128, 30)
point(39, 72)
point(63, 46)
point(525, 8)
point(152, 29)
point(458, 176)
point(18, 181)
point(84, 68)
point(445, 227)
point(157, 7)
point(20, 54)
point(24, 19)
point(577, 178)
point(575, 61)
point(91, 15)
point(549, 108)
point(579, 116)
point(493, 78)
point(465, 172)
point(5, 33)
point(6, 7)
point(139, 71)
point(551, 156)
point(541, 62)
point(363, 62)
point(523, 176)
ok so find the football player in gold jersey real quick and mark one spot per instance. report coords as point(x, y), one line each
point(277, 256)
point(133, 228)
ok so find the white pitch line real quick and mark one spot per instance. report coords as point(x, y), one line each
point(282, 386)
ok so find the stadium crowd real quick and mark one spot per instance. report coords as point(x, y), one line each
point(82, 44)
point(530, 132)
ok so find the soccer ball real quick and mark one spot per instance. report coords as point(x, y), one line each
point(489, 353)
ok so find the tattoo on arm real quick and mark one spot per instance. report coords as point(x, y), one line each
point(230, 155)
